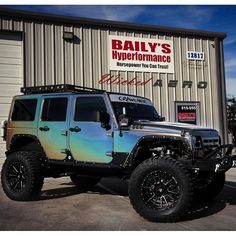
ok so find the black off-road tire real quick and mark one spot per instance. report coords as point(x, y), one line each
point(84, 182)
point(25, 164)
point(210, 191)
point(139, 190)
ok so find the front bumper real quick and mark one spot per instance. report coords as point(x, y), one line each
point(219, 160)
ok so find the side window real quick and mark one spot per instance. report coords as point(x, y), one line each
point(24, 110)
point(54, 109)
point(86, 106)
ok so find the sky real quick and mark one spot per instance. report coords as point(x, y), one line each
point(217, 18)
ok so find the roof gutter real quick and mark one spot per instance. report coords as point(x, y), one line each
point(28, 15)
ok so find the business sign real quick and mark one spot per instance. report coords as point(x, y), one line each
point(196, 56)
point(118, 79)
point(140, 54)
point(187, 113)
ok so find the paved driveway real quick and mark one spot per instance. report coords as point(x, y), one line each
point(106, 207)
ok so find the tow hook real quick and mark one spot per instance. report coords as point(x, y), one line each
point(234, 164)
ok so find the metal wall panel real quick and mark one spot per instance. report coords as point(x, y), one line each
point(49, 54)
point(59, 55)
point(49, 59)
point(29, 54)
point(78, 57)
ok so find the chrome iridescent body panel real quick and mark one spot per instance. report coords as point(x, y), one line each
point(129, 138)
point(91, 144)
point(54, 142)
point(95, 144)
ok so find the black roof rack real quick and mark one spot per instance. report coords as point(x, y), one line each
point(58, 88)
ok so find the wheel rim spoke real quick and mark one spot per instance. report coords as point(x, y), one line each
point(168, 182)
point(12, 175)
point(163, 197)
point(21, 169)
point(15, 186)
point(21, 184)
point(151, 197)
point(169, 191)
point(15, 169)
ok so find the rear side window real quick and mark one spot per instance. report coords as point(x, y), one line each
point(86, 106)
point(24, 110)
point(54, 109)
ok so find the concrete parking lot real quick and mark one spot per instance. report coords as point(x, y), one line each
point(62, 206)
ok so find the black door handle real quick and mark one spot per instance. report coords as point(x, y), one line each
point(45, 128)
point(75, 129)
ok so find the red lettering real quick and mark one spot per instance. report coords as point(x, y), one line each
point(166, 48)
point(116, 44)
point(114, 54)
point(136, 45)
point(124, 82)
point(187, 116)
point(132, 82)
point(117, 79)
point(106, 79)
point(128, 45)
point(145, 82)
point(168, 59)
point(129, 56)
point(152, 46)
point(143, 47)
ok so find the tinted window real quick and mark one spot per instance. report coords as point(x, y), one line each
point(54, 109)
point(135, 111)
point(86, 106)
point(24, 110)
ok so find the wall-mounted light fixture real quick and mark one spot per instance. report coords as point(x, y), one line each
point(68, 35)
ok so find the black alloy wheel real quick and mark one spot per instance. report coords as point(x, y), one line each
point(160, 190)
point(21, 175)
point(16, 176)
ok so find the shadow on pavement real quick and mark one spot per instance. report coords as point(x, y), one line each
point(203, 209)
point(120, 188)
point(104, 187)
point(59, 193)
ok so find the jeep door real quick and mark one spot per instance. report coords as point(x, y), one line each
point(88, 140)
point(53, 126)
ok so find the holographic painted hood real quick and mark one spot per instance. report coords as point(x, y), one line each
point(171, 128)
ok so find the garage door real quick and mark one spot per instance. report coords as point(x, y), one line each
point(11, 75)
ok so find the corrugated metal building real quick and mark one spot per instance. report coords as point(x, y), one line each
point(42, 49)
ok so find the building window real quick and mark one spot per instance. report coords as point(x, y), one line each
point(54, 109)
point(24, 110)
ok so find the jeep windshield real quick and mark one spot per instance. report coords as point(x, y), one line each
point(134, 108)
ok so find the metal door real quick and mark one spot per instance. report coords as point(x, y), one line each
point(53, 126)
point(88, 140)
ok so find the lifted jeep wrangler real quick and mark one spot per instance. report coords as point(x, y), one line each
point(87, 134)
